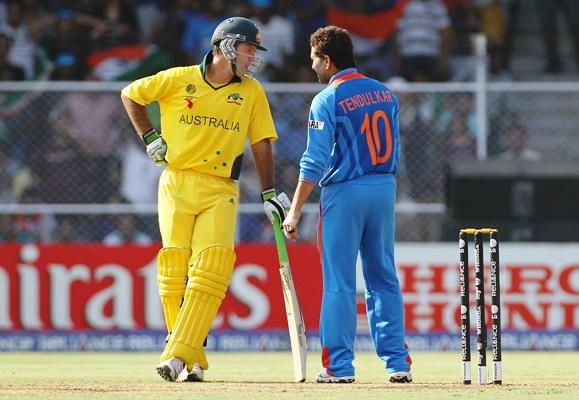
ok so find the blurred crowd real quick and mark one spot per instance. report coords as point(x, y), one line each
point(79, 147)
point(124, 39)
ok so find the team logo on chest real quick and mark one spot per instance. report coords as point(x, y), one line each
point(190, 99)
point(234, 98)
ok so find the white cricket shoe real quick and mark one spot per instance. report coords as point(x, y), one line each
point(401, 377)
point(170, 369)
point(324, 377)
point(197, 374)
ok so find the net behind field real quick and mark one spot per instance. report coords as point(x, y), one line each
point(69, 153)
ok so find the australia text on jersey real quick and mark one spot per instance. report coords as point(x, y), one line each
point(209, 121)
point(364, 99)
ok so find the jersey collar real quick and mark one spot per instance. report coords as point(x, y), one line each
point(343, 74)
point(203, 66)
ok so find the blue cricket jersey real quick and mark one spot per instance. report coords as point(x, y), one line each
point(352, 131)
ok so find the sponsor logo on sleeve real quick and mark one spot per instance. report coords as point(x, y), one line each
point(317, 125)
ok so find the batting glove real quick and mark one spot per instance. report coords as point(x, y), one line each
point(156, 146)
point(275, 204)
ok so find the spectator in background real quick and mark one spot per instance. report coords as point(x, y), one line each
point(118, 23)
point(459, 144)
point(416, 117)
point(439, 129)
point(126, 232)
point(170, 29)
point(66, 68)
point(14, 177)
point(7, 229)
point(548, 14)
point(67, 230)
point(200, 21)
point(511, 9)
point(493, 20)
point(466, 21)
point(91, 120)
point(515, 143)
point(447, 107)
point(60, 168)
point(278, 38)
point(7, 170)
point(33, 228)
point(23, 49)
point(8, 71)
point(69, 34)
point(148, 15)
point(309, 16)
point(421, 41)
point(103, 224)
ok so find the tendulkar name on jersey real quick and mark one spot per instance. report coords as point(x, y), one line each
point(364, 99)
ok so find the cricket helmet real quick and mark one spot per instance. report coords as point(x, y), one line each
point(239, 28)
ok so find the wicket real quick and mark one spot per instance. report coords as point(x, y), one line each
point(481, 328)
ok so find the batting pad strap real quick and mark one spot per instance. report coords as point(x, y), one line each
point(210, 283)
point(212, 271)
point(171, 286)
point(217, 260)
point(172, 267)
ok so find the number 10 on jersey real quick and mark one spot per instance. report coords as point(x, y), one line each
point(379, 152)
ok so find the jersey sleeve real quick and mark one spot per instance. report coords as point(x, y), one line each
point(149, 89)
point(261, 124)
point(321, 128)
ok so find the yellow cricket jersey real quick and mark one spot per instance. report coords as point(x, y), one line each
point(205, 127)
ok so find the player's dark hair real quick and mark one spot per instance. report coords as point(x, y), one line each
point(334, 42)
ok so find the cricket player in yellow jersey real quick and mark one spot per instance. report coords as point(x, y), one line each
point(208, 111)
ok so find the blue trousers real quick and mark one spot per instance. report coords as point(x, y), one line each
point(358, 216)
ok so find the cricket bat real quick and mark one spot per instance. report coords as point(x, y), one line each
point(295, 319)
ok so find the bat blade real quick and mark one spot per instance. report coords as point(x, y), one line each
point(295, 319)
point(295, 323)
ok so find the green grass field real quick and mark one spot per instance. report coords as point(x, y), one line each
point(256, 376)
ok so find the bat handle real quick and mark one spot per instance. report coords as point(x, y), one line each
point(279, 240)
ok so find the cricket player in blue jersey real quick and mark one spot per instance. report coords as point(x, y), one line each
point(353, 152)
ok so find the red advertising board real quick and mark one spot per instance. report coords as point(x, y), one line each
point(94, 287)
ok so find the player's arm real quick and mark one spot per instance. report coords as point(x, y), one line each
point(273, 203)
point(301, 195)
point(137, 114)
point(263, 158)
point(156, 146)
point(314, 161)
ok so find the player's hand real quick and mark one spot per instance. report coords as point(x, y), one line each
point(290, 226)
point(156, 146)
point(275, 204)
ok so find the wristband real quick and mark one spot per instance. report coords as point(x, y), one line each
point(150, 136)
point(268, 194)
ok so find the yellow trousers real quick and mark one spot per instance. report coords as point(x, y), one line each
point(197, 216)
